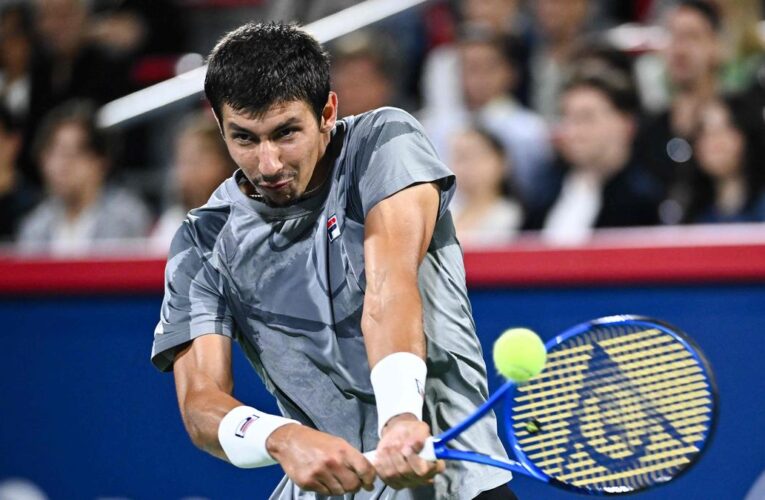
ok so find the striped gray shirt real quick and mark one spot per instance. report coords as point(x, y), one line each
point(288, 284)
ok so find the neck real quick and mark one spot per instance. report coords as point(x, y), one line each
point(480, 199)
point(730, 194)
point(81, 201)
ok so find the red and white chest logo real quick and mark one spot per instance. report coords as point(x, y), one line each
point(333, 229)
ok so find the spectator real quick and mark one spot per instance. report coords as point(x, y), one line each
point(201, 164)
point(68, 66)
point(16, 197)
point(138, 27)
point(362, 73)
point(560, 25)
point(693, 57)
point(598, 183)
point(487, 77)
point(744, 49)
point(483, 215)
point(16, 44)
point(441, 86)
point(80, 208)
point(71, 66)
point(728, 184)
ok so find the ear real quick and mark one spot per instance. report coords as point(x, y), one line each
point(329, 114)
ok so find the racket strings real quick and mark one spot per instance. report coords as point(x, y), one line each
point(619, 409)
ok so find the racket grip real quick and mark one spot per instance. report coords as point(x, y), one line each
point(428, 451)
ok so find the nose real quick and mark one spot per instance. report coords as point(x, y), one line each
point(269, 163)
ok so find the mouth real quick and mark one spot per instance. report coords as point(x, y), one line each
point(274, 186)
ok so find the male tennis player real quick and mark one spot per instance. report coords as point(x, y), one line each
point(330, 257)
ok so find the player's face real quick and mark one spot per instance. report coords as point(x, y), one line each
point(280, 150)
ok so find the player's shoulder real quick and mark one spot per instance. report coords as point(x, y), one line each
point(378, 127)
point(385, 115)
point(203, 226)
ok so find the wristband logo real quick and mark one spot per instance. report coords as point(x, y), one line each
point(244, 425)
point(420, 388)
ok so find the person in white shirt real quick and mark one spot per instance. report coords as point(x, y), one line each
point(201, 163)
point(80, 208)
point(483, 213)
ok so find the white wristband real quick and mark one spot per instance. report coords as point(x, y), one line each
point(398, 381)
point(243, 433)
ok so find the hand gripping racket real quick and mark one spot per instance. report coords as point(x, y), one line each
point(624, 403)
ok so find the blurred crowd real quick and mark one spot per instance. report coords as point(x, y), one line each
point(557, 116)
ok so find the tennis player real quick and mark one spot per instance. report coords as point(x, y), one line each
point(330, 257)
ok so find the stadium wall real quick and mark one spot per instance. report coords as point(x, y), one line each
point(85, 415)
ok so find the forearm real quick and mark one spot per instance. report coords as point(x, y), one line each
point(202, 411)
point(392, 317)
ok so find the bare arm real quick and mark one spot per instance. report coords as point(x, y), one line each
point(397, 234)
point(203, 382)
point(314, 460)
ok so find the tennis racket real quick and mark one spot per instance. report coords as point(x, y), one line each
point(624, 403)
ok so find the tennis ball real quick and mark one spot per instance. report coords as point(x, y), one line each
point(519, 354)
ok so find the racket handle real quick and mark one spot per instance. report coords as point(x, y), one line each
point(428, 451)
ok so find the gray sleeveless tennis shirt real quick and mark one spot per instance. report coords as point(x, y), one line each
point(288, 284)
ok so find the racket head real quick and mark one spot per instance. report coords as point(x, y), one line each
point(625, 403)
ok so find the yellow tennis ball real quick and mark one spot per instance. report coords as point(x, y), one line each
point(519, 354)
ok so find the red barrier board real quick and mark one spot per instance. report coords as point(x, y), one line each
point(671, 255)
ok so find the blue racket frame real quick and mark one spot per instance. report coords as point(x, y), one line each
point(523, 465)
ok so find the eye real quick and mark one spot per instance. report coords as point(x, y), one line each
point(287, 132)
point(241, 138)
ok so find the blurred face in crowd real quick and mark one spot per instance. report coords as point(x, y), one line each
point(360, 85)
point(10, 143)
point(693, 52)
point(279, 150)
point(200, 166)
point(62, 24)
point(69, 167)
point(15, 45)
point(720, 144)
point(594, 134)
point(561, 19)
point(478, 166)
point(486, 74)
point(497, 15)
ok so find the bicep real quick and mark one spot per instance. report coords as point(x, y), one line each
point(203, 364)
point(398, 230)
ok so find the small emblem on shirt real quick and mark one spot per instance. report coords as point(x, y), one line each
point(333, 229)
point(244, 425)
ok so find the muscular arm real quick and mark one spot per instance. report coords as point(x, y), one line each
point(315, 461)
point(398, 231)
point(397, 234)
point(203, 382)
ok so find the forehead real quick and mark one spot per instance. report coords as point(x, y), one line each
point(686, 18)
point(69, 132)
point(585, 97)
point(273, 116)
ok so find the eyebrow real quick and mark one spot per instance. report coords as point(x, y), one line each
point(286, 123)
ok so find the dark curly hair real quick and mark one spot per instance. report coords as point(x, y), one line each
point(259, 65)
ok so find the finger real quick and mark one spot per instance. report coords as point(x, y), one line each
point(407, 475)
point(386, 469)
point(363, 469)
point(347, 478)
point(332, 484)
point(421, 467)
point(318, 487)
